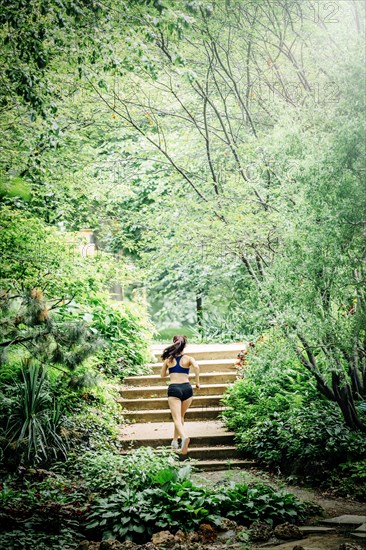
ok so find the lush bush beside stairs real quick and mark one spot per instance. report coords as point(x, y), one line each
point(145, 405)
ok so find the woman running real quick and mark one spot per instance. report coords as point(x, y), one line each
point(180, 393)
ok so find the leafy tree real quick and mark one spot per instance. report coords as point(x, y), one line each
point(42, 274)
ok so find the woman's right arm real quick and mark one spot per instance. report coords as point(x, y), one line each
point(196, 369)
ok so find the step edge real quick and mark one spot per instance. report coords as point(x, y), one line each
point(212, 448)
point(224, 461)
point(161, 411)
point(204, 362)
point(135, 388)
point(156, 399)
point(156, 376)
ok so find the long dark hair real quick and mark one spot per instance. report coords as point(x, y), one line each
point(179, 343)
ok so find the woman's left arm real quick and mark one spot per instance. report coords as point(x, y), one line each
point(164, 369)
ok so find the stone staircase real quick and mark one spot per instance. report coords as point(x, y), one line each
point(145, 405)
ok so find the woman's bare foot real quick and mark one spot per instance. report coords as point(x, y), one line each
point(185, 443)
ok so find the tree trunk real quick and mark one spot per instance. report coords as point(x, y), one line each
point(199, 310)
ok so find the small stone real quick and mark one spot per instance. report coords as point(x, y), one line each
point(83, 545)
point(349, 546)
point(192, 536)
point(148, 546)
point(206, 533)
point(297, 547)
point(109, 544)
point(287, 531)
point(127, 545)
point(180, 536)
point(260, 531)
point(227, 524)
point(163, 538)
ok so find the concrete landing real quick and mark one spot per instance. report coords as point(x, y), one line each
point(164, 430)
point(204, 351)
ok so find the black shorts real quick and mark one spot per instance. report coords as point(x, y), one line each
point(182, 391)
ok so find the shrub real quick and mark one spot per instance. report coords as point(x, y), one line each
point(49, 510)
point(282, 420)
point(108, 471)
point(307, 441)
point(34, 417)
point(126, 331)
point(350, 480)
point(261, 503)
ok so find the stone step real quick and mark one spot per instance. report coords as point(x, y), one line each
point(204, 351)
point(316, 530)
point(214, 453)
point(129, 392)
point(216, 465)
point(206, 365)
point(346, 520)
point(212, 440)
point(193, 413)
point(154, 403)
point(205, 378)
point(210, 453)
point(156, 434)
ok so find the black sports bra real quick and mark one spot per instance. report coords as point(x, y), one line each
point(178, 367)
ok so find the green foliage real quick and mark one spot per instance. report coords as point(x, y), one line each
point(28, 324)
point(143, 499)
point(273, 381)
point(126, 329)
point(349, 480)
point(92, 422)
point(220, 327)
point(50, 507)
point(65, 539)
point(166, 335)
point(34, 419)
point(14, 187)
point(307, 441)
point(90, 419)
point(169, 504)
point(212, 183)
point(35, 255)
point(131, 496)
point(106, 471)
point(261, 502)
point(282, 420)
point(120, 515)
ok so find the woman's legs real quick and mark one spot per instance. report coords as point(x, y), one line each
point(184, 407)
point(175, 405)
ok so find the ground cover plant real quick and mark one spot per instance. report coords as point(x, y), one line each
point(105, 494)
